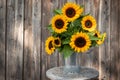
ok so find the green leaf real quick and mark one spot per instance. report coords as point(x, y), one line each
point(66, 34)
point(87, 14)
point(77, 22)
point(54, 34)
point(90, 33)
point(82, 6)
point(58, 11)
point(50, 28)
point(102, 36)
point(93, 43)
point(59, 49)
point(67, 51)
point(66, 41)
point(94, 38)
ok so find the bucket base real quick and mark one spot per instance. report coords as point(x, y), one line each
point(71, 69)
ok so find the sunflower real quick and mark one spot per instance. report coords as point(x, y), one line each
point(99, 42)
point(80, 42)
point(57, 42)
point(59, 23)
point(71, 11)
point(88, 23)
point(49, 46)
point(97, 34)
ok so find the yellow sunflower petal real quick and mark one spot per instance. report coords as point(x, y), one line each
point(49, 46)
point(89, 23)
point(59, 23)
point(57, 42)
point(99, 42)
point(97, 33)
point(72, 11)
point(80, 42)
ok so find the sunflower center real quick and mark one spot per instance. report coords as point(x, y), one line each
point(50, 45)
point(88, 24)
point(80, 42)
point(96, 35)
point(57, 42)
point(70, 12)
point(59, 24)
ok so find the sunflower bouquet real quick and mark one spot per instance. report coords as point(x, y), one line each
point(72, 31)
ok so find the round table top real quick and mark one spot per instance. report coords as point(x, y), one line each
point(57, 73)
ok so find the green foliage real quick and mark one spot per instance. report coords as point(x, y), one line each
point(58, 11)
point(93, 44)
point(72, 28)
point(94, 38)
point(77, 22)
point(50, 28)
point(82, 6)
point(67, 51)
point(66, 41)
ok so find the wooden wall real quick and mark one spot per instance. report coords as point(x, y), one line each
point(23, 33)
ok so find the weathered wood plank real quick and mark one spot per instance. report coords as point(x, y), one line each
point(61, 3)
point(45, 21)
point(114, 37)
point(85, 59)
point(79, 56)
point(119, 42)
point(36, 23)
point(28, 42)
point(81, 2)
point(104, 50)
point(32, 40)
point(96, 11)
point(14, 39)
point(47, 14)
point(91, 60)
point(2, 38)
point(53, 59)
point(71, 1)
point(38, 14)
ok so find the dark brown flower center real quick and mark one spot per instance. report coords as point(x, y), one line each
point(59, 24)
point(57, 42)
point(96, 35)
point(80, 42)
point(88, 24)
point(50, 45)
point(70, 12)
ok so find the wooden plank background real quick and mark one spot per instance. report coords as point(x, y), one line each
point(23, 31)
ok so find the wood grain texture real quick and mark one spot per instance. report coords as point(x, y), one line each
point(95, 12)
point(28, 43)
point(47, 13)
point(36, 23)
point(60, 57)
point(119, 42)
point(2, 38)
point(114, 51)
point(91, 60)
point(104, 50)
point(45, 20)
point(23, 31)
point(80, 56)
point(74, 1)
point(53, 59)
point(14, 39)
point(32, 40)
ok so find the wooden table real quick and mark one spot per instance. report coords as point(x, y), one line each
point(57, 73)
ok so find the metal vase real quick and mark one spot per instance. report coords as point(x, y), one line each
point(70, 64)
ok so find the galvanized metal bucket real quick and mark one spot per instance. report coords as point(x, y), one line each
point(70, 63)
